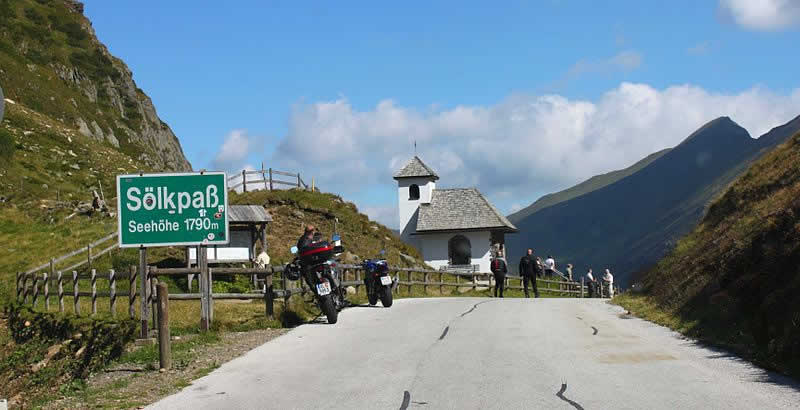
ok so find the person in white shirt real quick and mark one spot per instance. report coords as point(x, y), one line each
point(608, 278)
point(549, 266)
point(590, 282)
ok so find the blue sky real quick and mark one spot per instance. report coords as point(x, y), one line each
point(518, 99)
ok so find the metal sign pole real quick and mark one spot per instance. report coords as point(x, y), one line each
point(145, 314)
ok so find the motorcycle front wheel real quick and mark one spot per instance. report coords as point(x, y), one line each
point(329, 309)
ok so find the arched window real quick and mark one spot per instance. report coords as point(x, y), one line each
point(413, 192)
point(459, 250)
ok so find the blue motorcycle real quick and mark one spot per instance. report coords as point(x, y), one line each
point(377, 280)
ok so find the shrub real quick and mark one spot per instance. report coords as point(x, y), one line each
point(7, 145)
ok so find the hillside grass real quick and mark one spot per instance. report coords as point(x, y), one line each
point(733, 281)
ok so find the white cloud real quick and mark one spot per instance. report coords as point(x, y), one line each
point(386, 215)
point(765, 15)
point(234, 151)
point(524, 145)
point(699, 49)
point(625, 60)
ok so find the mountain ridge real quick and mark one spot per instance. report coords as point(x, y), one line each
point(630, 223)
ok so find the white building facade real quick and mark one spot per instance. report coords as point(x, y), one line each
point(452, 228)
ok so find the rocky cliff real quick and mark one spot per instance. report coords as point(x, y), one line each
point(52, 62)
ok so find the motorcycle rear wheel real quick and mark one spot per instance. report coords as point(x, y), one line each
point(386, 296)
point(328, 308)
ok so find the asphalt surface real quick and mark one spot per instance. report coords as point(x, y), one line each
point(479, 353)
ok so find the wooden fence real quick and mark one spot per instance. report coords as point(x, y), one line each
point(42, 287)
point(269, 179)
point(91, 254)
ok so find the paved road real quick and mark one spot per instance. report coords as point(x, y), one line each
point(478, 353)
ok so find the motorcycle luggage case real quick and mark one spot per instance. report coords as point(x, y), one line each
point(316, 253)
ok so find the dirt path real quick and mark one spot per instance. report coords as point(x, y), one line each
point(134, 385)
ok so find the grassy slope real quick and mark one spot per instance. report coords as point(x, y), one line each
point(734, 280)
point(43, 157)
point(591, 184)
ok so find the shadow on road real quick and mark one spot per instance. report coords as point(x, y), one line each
point(758, 374)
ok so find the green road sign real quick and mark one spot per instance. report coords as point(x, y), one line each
point(172, 209)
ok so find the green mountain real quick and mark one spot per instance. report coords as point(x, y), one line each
point(630, 224)
point(594, 183)
point(53, 65)
point(74, 118)
point(734, 279)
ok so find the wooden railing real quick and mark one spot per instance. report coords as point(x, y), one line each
point(91, 255)
point(43, 286)
point(35, 287)
point(269, 179)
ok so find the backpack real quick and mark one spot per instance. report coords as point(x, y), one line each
point(496, 266)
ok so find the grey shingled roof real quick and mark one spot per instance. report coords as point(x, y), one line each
point(460, 209)
point(415, 168)
point(248, 214)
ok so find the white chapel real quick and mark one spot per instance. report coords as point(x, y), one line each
point(452, 228)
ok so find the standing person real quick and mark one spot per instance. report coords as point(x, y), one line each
point(549, 266)
point(569, 271)
point(528, 270)
point(608, 278)
point(590, 282)
point(499, 269)
point(539, 267)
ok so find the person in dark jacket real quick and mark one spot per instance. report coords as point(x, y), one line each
point(499, 269)
point(528, 271)
point(306, 239)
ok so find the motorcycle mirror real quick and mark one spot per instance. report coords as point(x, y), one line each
point(336, 237)
point(294, 250)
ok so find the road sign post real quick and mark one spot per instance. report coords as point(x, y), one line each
point(172, 209)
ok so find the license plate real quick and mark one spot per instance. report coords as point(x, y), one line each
point(386, 280)
point(324, 288)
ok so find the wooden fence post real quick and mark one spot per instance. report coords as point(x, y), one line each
point(164, 351)
point(210, 274)
point(35, 289)
point(425, 286)
point(358, 279)
point(441, 281)
point(298, 180)
point(474, 282)
point(205, 320)
point(244, 181)
point(94, 292)
point(269, 295)
point(18, 288)
point(60, 292)
point(153, 297)
point(46, 280)
point(76, 307)
point(112, 278)
point(25, 289)
point(581, 287)
point(270, 179)
point(410, 279)
point(132, 292)
point(264, 177)
point(144, 313)
point(89, 255)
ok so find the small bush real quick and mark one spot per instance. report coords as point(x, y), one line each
point(7, 146)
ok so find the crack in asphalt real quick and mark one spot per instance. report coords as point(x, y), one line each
point(560, 395)
point(474, 307)
point(406, 400)
point(594, 330)
point(447, 329)
point(407, 394)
